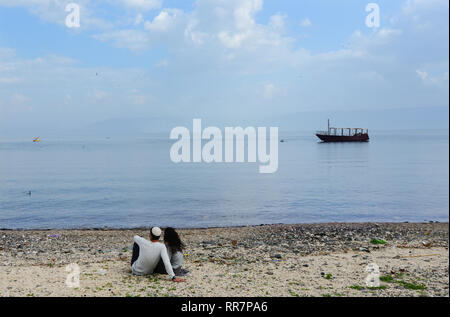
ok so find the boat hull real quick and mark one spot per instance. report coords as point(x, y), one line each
point(363, 137)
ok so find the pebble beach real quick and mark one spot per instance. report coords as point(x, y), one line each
point(321, 260)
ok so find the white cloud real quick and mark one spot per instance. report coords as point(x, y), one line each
point(163, 63)
point(269, 90)
point(17, 98)
point(100, 95)
point(9, 80)
point(6, 52)
point(140, 99)
point(244, 13)
point(143, 4)
point(440, 79)
point(196, 37)
point(232, 41)
point(305, 23)
point(54, 11)
point(139, 19)
point(220, 24)
point(445, 76)
point(57, 88)
point(132, 39)
point(18, 103)
point(427, 16)
point(371, 75)
point(277, 21)
point(164, 21)
point(377, 38)
point(414, 6)
point(423, 75)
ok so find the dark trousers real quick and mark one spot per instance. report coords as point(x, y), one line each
point(135, 255)
point(160, 268)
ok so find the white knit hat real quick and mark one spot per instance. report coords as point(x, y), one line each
point(156, 232)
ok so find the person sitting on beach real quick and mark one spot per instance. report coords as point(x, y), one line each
point(146, 255)
point(175, 251)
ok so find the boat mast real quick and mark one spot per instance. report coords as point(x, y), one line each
point(328, 126)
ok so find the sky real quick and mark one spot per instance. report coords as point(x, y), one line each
point(161, 63)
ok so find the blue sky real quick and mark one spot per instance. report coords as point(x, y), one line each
point(216, 58)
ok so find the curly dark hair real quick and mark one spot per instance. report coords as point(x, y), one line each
point(172, 239)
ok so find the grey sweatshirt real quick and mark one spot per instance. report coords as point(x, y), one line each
point(149, 255)
point(176, 259)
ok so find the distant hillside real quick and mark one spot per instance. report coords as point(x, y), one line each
point(398, 119)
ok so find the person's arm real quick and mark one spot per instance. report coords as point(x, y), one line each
point(167, 265)
point(138, 239)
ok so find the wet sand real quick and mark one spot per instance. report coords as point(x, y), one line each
point(272, 260)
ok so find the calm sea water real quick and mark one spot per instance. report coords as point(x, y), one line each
point(74, 183)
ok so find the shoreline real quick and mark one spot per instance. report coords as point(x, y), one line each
point(325, 259)
point(223, 227)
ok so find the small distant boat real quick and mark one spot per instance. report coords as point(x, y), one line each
point(36, 139)
point(343, 134)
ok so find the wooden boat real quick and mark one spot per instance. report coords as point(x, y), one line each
point(343, 134)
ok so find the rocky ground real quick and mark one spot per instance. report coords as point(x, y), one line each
point(273, 260)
